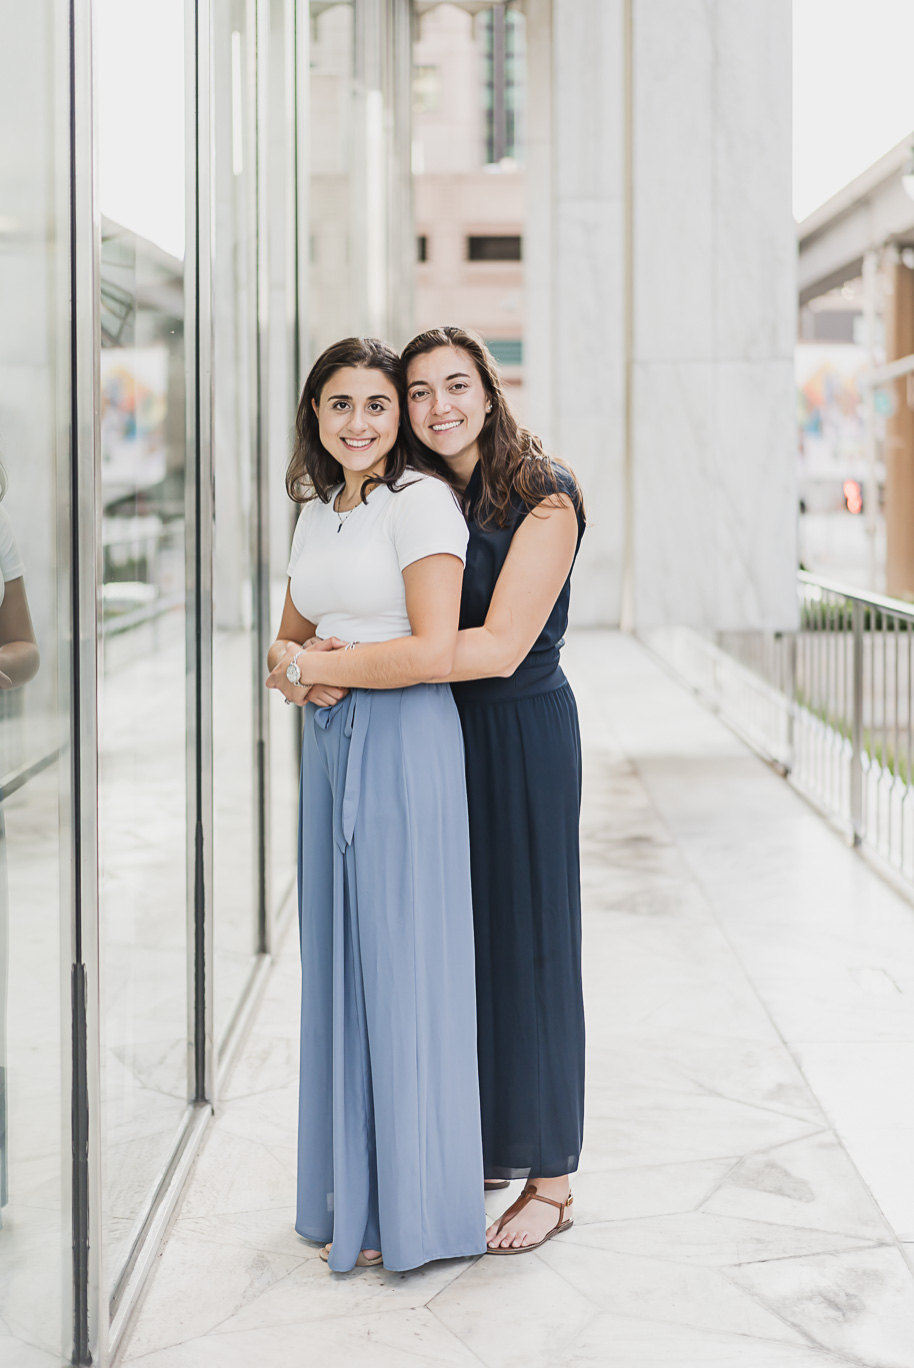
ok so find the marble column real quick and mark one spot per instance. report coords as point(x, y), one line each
point(669, 309)
point(574, 343)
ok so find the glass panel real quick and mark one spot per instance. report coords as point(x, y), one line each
point(35, 1271)
point(142, 801)
point(234, 674)
point(284, 723)
point(333, 312)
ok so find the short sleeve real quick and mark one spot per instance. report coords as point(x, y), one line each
point(298, 540)
point(11, 565)
point(427, 522)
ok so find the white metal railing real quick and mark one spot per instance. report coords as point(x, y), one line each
point(830, 704)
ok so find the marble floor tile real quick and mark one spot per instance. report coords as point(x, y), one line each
point(270, 1231)
point(269, 1117)
point(311, 1293)
point(17, 1353)
point(182, 1306)
point(654, 1190)
point(269, 1061)
point(663, 1292)
point(884, 1158)
point(514, 1312)
point(859, 1302)
point(862, 1082)
point(809, 1182)
point(669, 1129)
point(703, 1238)
point(393, 1340)
point(613, 1341)
point(236, 1175)
point(839, 1005)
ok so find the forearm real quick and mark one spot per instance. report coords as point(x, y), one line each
point(380, 664)
point(19, 660)
point(481, 654)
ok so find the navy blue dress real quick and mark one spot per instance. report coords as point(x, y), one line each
point(523, 766)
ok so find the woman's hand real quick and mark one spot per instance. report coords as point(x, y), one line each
point(321, 695)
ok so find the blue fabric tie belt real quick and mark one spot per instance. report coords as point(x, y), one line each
point(356, 713)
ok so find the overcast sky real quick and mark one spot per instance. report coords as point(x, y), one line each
point(853, 82)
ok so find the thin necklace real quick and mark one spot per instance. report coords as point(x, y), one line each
point(343, 516)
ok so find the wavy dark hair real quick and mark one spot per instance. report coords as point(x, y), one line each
point(512, 461)
point(313, 473)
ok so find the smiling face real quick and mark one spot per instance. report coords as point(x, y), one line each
point(358, 415)
point(447, 404)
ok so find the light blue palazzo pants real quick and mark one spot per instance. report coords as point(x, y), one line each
point(390, 1150)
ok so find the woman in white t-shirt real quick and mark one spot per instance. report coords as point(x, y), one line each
point(18, 664)
point(18, 649)
point(390, 1151)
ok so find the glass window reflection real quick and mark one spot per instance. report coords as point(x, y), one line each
point(34, 694)
point(142, 703)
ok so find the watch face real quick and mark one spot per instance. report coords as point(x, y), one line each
point(293, 673)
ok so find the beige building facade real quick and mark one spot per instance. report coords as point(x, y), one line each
point(466, 206)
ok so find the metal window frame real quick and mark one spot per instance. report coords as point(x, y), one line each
point(90, 1322)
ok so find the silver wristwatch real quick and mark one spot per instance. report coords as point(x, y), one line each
point(293, 673)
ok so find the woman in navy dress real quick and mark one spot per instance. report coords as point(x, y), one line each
point(523, 767)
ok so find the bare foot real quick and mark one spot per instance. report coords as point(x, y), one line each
point(368, 1253)
point(534, 1222)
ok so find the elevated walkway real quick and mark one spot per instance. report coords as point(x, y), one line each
point(746, 1194)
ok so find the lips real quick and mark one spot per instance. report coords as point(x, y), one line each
point(446, 427)
point(360, 445)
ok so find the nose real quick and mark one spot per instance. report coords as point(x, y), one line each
point(357, 422)
point(442, 404)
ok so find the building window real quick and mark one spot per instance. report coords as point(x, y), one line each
point(494, 247)
point(422, 247)
point(426, 90)
point(508, 351)
point(503, 69)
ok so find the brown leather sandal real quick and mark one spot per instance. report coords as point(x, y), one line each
point(530, 1194)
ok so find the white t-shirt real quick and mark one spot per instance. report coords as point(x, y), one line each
point(11, 566)
point(348, 580)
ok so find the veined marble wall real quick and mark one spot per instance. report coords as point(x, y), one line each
point(711, 536)
point(574, 240)
point(713, 254)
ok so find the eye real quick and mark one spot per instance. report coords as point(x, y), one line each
point(460, 385)
point(376, 407)
point(419, 394)
point(339, 405)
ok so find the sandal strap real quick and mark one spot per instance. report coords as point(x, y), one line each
point(530, 1194)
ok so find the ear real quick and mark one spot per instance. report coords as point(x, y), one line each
point(314, 406)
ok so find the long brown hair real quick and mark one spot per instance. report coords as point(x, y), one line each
point(512, 461)
point(313, 473)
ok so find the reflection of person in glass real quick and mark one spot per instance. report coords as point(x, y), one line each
point(18, 664)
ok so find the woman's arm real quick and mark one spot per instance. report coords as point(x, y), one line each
point(433, 607)
point(536, 566)
point(19, 658)
point(294, 631)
